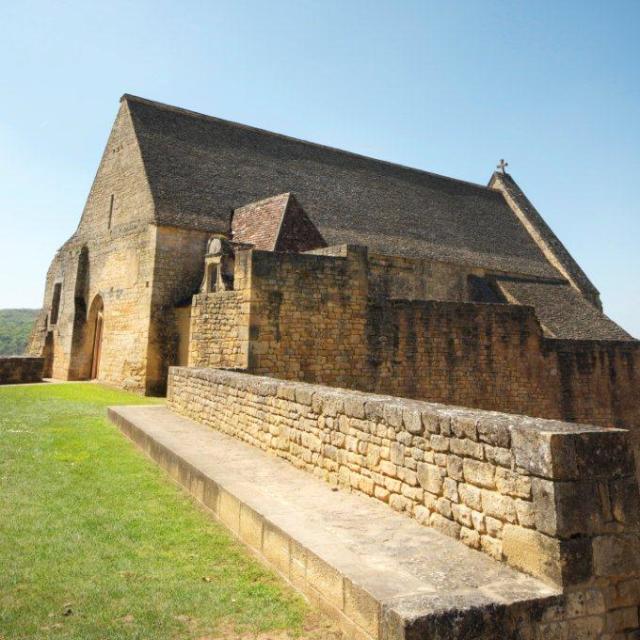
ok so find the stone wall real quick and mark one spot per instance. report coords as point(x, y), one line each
point(183, 325)
point(312, 317)
point(488, 356)
point(393, 277)
point(119, 279)
point(308, 315)
point(219, 331)
point(21, 369)
point(136, 270)
point(177, 273)
point(109, 259)
point(556, 500)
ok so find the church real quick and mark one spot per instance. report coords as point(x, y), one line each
point(208, 243)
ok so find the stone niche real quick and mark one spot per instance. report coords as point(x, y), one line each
point(218, 266)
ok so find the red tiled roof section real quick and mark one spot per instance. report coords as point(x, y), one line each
point(297, 232)
point(278, 223)
point(259, 223)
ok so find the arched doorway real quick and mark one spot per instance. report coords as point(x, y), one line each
point(95, 322)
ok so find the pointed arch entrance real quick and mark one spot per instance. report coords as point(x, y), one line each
point(96, 322)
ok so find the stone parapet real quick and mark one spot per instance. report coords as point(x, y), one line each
point(21, 369)
point(556, 500)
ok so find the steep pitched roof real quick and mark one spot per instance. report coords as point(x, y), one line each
point(275, 224)
point(200, 168)
point(562, 310)
point(545, 238)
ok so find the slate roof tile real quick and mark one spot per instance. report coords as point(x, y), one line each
point(200, 168)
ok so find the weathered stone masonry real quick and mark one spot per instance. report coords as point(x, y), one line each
point(117, 292)
point(433, 289)
point(218, 319)
point(21, 369)
point(556, 500)
point(313, 317)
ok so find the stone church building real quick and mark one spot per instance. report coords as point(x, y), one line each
point(210, 243)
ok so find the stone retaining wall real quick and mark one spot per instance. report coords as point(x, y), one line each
point(559, 501)
point(20, 369)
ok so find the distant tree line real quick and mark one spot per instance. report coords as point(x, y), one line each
point(15, 328)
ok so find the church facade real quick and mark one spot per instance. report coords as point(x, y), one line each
point(212, 244)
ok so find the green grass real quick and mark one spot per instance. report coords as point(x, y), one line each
point(15, 328)
point(87, 523)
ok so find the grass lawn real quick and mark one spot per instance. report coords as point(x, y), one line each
point(96, 542)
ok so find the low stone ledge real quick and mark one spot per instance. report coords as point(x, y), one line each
point(380, 575)
point(21, 369)
point(552, 499)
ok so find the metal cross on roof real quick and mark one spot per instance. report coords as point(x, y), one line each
point(502, 165)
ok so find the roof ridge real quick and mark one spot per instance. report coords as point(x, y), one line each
point(283, 136)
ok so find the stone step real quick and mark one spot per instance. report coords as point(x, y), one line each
point(378, 573)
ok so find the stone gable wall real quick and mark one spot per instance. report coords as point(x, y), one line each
point(121, 174)
point(21, 369)
point(120, 247)
point(556, 500)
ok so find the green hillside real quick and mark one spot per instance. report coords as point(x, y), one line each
point(15, 327)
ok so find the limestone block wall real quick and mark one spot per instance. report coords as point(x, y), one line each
point(496, 357)
point(219, 331)
point(183, 324)
point(108, 258)
point(488, 356)
point(177, 273)
point(20, 369)
point(559, 501)
point(317, 317)
point(600, 380)
point(118, 273)
point(394, 277)
point(308, 316)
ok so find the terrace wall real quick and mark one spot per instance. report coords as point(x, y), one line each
point(559, 501)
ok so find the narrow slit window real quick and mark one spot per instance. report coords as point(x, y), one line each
point(111, 201)
point(55, 302)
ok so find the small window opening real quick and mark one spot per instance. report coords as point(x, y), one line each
point(212, 277)
point(55, 303)
point(111, 210)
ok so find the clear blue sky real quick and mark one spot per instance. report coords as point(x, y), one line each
point(451, 87)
